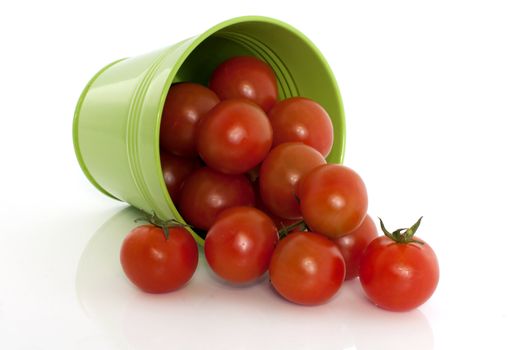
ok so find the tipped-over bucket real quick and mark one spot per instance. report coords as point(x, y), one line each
point(117, 119)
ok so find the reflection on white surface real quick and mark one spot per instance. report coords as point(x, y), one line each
point(209, 314)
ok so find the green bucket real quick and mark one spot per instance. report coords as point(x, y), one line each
point(117, 119)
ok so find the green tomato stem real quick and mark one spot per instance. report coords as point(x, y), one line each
point(284, 231)
point(403, 235)
point(165, 225)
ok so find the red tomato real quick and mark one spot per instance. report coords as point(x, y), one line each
point(206, 193)
point(333, 200)
point(246, 77)
point(234, 136)
point(175, 170)
point(157, 264)
point(300, 119)
point(399, 275)
point(353, 244)
point(185, 104)
point(307, 268)
point(279, 174)
point(239, 245)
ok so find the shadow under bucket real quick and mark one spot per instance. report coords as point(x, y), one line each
point(118, 115)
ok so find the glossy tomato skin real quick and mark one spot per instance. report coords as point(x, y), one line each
point(246, 77)
point(398, 276)
point(185, 104)
point(239, 245)
point(207, 192)
point(175, 171)
point(333, 200)
point(353, 245)
point(299, 119)
point(307, 268)
point(156, 264)
point(234, 136)
point(280, 172)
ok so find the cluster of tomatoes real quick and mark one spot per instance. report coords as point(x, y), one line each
point(249, 172)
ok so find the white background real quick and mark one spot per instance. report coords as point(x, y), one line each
point(436, 99)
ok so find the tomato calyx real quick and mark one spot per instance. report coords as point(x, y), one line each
point(403, 235)
point(284, 230)
point(164, 225)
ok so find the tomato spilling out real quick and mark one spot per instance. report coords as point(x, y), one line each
point(307, 268)
point(399, 271)
point(333, 200)
point(239, 245)
point(249, 171)
point(159, 258)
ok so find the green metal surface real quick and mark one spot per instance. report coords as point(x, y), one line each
point(117, 119)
